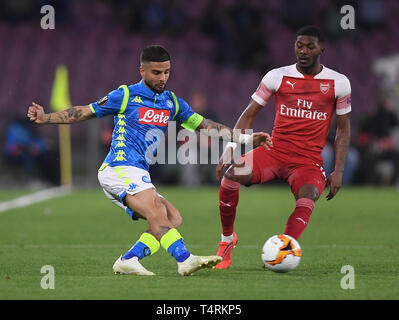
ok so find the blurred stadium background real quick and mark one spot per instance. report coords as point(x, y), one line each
point(220, 50)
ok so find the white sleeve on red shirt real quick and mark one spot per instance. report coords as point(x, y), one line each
point(267, 87)
point(343, 96)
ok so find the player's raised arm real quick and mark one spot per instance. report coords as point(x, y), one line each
point(342, 141)
point(222, 132)
point(247, 117)
point(71, 115)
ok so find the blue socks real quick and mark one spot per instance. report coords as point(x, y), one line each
point(139, 250)
point(179, 251)
point(145, 246)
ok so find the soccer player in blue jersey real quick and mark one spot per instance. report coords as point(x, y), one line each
point(141, 114)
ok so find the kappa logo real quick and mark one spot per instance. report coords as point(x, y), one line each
point(290, 83)
point(132, 186)
point(324, 87)
point(137, 99)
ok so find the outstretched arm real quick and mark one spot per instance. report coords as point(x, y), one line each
point(222, 132)
point(342, 141)
point(71, 115)
point(215, 130)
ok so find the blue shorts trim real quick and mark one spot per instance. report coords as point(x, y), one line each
point(129, 211)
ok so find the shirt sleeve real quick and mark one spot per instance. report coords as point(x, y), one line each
point(183, 111)
point(110, 104)
point(267, 87)
point(343, 96)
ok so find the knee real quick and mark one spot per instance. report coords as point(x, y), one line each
point(174, 216)
point(158, 204)
point(157, 210)
point(308, 191)
point(239, 173)
point(177, 220)
point(229, 174)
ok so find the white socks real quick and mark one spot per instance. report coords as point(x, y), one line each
point(227, 238)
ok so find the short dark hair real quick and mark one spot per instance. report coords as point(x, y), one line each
point(311, 31)
point(154, 53)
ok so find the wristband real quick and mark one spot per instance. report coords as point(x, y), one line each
point(232, 145)
point(244, 138)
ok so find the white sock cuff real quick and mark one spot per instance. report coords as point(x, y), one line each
point(227, 238)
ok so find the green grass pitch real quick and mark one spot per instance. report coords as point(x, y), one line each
point(82, 234)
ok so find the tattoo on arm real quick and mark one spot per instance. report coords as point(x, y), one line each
point(215, 130)
point(74, 113)
point(70, 115)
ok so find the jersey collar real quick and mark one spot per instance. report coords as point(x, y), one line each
point(149, 93)
point(145, 90)
point(309, 76)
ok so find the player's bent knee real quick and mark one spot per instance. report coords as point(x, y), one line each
point(176, 221)
point(174, 217)
point(155, 211)
point(308, 191)
point(158, 205)
point(243, 174)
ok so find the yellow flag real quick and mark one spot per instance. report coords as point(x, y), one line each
point(60, 99)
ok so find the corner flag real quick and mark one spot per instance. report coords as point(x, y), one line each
point(60, 100)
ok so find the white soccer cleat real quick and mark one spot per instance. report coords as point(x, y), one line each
point(194, 263)
point(130, 266)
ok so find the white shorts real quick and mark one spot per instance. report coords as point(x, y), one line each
point(121, 180)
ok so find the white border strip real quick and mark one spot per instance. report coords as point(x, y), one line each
point(35, 197)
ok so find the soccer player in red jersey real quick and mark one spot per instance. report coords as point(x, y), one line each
point(307, 94)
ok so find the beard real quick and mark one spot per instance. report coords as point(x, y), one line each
point(155, 88)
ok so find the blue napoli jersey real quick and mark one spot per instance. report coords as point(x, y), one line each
point(141, 118)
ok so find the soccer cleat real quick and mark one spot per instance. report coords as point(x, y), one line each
point(194, 263)
point(225, 251)
point(130, 266)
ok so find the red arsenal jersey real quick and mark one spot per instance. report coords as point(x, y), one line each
point(304, 107)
